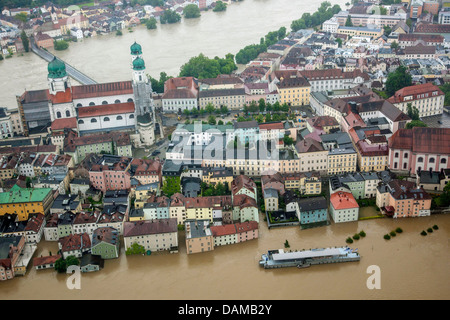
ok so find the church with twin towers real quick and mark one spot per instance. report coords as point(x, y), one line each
point(95, 108)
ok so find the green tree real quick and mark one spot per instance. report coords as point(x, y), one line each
point(288, 140)
point(72, 261)
point(61, 45)
point(413, 113)
point(25, 41)
point(191, 11)
point(22, 17)
point(394, 45)
point(151, 23)
point(397, 80)
point(211, 120)
point(171, 185)
point(223, 109)
point(135, 248)
point(415, 123)
point(349, 22)
point(209, 108)
point(170, 16)
point(202, 67)
point(60, 265)
point(220, 6)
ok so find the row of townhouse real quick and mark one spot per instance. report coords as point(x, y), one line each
point(60, 225)
point(109, 172)
point(20, 238)
point(104, 242)
point(202, 237)
point(362, 185)
point(187, 93)
point(32, 164)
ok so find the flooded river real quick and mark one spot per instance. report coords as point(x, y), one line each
point(412, 267)
point(107, 58)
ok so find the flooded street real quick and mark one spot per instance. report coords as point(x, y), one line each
point(412, 267)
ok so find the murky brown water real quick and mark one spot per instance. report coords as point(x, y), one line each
point(412, 267)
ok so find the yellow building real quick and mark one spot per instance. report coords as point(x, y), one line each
point(214, 176)
point(361, 31)
point(308, 183)
point(143, 192)
point(342, 160)
point(203, 208)
point(294, 90)
point(25, 201)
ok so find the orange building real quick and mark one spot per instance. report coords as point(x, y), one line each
point(402, 199)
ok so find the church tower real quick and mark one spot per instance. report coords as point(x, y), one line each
point(143, 97)
point(60, 101)
point(58, 80)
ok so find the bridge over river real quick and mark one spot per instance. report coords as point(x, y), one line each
point(74, 73)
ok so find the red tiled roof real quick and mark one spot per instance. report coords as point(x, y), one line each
point(96, 90)
point(106, 109)
point(432, 28)
point(75, 242)
point(271, 126)
point(40, 261)
point(61, 97)
point(246, 226)
point(35, 223)
point(61, 124)
point(422, 140)
point(208, 202)
point(223, 230)
point(415, 91)
point(157, 226)
point(417, 36)
point(343, 200)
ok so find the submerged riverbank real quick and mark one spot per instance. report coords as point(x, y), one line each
point(412, 267)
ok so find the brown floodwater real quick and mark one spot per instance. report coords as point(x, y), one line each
point(412, 267)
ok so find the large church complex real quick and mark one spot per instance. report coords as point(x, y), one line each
point(98, 108)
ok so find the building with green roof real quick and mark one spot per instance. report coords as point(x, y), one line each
point(25, 201)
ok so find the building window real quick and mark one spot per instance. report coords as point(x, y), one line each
point(106, 119)
point(431, 160)
point(131, 116)
point(104, 102)
point(420, 159)
point(58, 114)
point(117, 101)
point(93, 120)
point(444, 161)
point(119, 118)
point(91, 103)
point(67, 113)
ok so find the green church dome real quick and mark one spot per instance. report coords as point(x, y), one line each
point(138, 64)
point(136, 49)
point(56, 69)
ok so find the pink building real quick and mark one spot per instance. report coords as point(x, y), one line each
point(419, 149)
point(247, 231)
point(10, 250)
point(111, 173)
